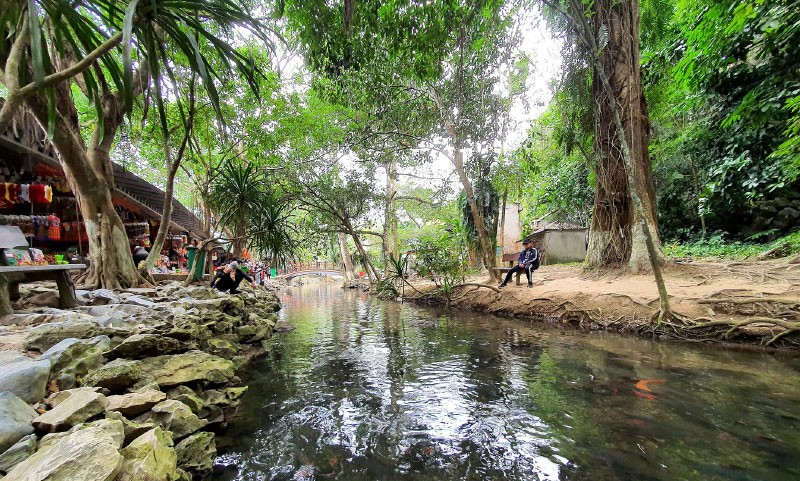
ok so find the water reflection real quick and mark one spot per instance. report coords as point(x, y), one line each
point(365, 390)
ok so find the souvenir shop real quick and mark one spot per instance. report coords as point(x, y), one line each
point(35, 197)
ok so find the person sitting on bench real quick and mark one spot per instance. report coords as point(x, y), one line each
point(528, 261)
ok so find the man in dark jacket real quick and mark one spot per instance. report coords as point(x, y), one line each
point(528, 261)
point(229, 278)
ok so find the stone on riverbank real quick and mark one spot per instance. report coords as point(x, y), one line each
point(135, 403)
point(115, 375)
point(187, 396)
point(196, 453)
point(186, 368)
point(88, 454)
point(72, 358)
point(17, 453)
point(140, 346)
point(77, 408)
point(174, 416)
point(25, 377)
point(15, 419)
point(45, 336)
point(150, 457)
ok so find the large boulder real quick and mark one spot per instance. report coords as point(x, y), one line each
point(25, 377)
point(150, 457)
point(140, 346)
point(15, 419)
point(17, 453)
point(189, 367)
point(115, 375)
point(72, 358)
point(196, 453)
point(77, 408)
point(44, 336)
point(136, 403)
point(174, 416)
point(87, 454)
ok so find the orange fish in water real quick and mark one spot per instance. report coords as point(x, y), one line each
point(644, 384)
point(644, 390)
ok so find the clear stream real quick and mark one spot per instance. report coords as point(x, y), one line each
point(370, 390)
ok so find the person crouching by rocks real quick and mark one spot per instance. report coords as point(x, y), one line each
point(528, 261)
point(229, 277)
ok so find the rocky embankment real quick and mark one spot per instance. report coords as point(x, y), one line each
point(130, 387)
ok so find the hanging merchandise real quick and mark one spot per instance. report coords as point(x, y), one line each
point(54, 227)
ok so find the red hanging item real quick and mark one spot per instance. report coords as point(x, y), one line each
point(54, 229)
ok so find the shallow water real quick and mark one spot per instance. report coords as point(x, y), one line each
point(369, 390)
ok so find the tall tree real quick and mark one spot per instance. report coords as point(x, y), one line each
point(616, 236)
point(108, 52)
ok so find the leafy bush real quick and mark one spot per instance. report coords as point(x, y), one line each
point(717, 246)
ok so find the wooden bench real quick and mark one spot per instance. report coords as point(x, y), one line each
point(12, 276)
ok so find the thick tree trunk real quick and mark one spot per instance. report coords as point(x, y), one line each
point(486, 249)
point(90, 175)
point(616, 236)
point(347, 262)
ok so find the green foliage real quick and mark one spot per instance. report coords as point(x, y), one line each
point(723, 94)
point(554, 177)
point(440, 257)
point(719, 246)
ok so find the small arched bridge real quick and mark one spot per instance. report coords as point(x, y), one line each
point(321, 268)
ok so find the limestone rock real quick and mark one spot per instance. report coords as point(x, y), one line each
point(187, 396)
point(115, 375)
point(140, 346)
point(18, 453)
point(196, 453)
point(58, 397)
point(149, 457)
point(25, 377)
point(134, 404)
point(44, 336)
point(132, 429)
point(139, 301)
point(77, 408)
point(223, 348)
point(229, 397)
point(15, 419)
point(174, 416)
point(88, 454)
point(101, 297)
point(188, 367)
point(72, 358)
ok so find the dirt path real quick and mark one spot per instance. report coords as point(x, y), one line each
point(748, 302)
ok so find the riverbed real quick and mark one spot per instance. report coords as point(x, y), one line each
point(363, 389)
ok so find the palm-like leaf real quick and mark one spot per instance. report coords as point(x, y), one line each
point(149, 31)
